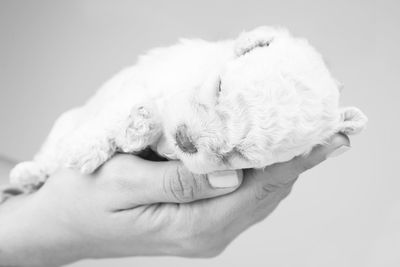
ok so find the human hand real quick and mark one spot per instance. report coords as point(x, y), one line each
point(128, 207)
point(134, 207)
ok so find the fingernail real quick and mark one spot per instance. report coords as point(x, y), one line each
point(223, 179)
point(339, 151)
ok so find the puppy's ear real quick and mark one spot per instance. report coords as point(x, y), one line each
point(352, 120)
point(259, 37)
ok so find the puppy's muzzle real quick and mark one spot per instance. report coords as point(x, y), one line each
point(184, 141)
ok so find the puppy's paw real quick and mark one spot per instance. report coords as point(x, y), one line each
point(7, 191)
point(353, 121)
point(28, 175)
point(89, 156)
point(142, 120)
point(143, 128)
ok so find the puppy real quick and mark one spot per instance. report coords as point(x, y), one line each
point(265, 97)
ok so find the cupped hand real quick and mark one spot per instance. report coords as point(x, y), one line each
point(135, 207)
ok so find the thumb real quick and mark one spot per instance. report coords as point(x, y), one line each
point(175, 183)
point(146, 182)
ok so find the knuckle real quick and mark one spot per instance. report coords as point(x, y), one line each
point(180, 185)
point(273, 187)
point(303, 164)
point(265, 190)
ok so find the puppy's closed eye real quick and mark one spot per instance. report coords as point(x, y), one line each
point(218, 88)
point(259, 43)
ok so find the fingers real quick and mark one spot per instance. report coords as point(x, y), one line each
point(285, 172)
point(262, 190)
point(338, 144)
point(147, 182)
point(144, 182)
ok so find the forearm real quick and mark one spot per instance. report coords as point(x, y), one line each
point(28, 238)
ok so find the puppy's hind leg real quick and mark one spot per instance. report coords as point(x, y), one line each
point(31, 174)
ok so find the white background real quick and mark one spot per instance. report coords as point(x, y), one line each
point(345, 212)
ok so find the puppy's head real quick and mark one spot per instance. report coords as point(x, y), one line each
point(245, 114)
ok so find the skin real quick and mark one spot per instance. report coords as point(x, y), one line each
point(136, 207)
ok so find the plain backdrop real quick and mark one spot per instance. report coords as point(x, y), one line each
point(345, 212)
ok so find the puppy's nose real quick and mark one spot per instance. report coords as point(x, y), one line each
point(183, 140)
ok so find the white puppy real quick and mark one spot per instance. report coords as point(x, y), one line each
point(262, 98)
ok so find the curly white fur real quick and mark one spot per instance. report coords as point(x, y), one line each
point(262, 98)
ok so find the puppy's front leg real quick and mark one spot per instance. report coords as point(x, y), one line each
point(129, 130)
point(88, 148)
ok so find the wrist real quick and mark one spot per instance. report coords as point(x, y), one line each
point(30, 236)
